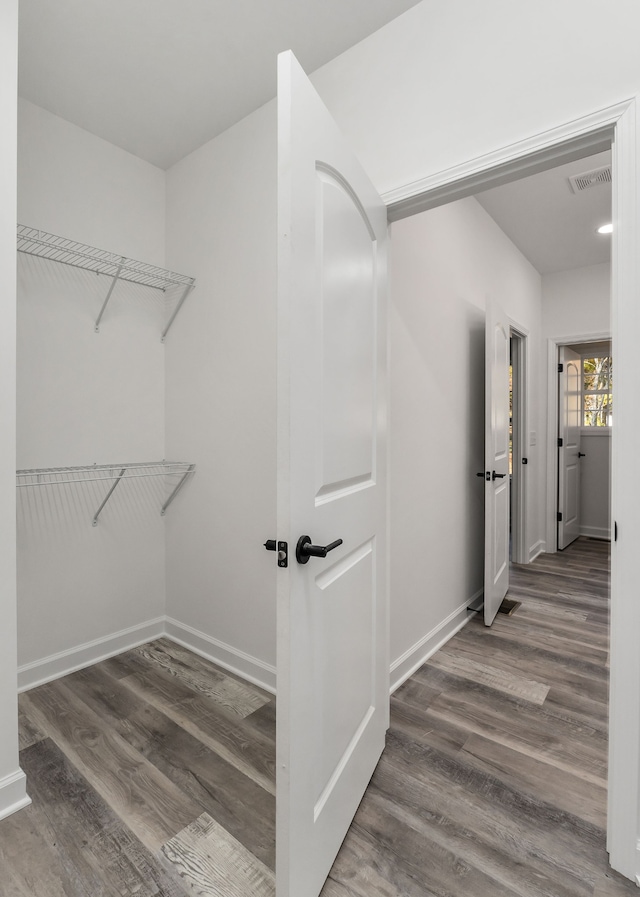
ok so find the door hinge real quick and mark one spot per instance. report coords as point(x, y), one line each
point(283, 551)
point(560, 442)
point(559, 517)
point(560, 368)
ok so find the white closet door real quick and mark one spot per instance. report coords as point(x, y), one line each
point(569, 426)
point(496, 527)
point(333, 663)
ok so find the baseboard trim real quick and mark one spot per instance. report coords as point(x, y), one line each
point(596, 532)
point(30, 675)
point(13, 793)
point(244, 665)
point(536, 549)
point(412, 659)
point(238, 662)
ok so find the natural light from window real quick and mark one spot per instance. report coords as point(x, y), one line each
point(597, 391)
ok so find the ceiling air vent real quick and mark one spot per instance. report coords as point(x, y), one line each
point(581, 182)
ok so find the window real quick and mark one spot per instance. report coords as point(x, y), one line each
point(597, 395)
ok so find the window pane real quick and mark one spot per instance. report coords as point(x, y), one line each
point(598, 409)
point(597, 387)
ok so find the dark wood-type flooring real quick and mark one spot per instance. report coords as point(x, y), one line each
point(152, 774)
point(493, 782)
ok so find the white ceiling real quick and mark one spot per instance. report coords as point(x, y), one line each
point(160, 78)
point(553, 227)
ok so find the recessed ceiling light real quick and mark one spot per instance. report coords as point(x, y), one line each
point(606, 229)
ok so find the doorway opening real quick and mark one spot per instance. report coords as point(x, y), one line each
point(612, 127)
point(518, 459)
point(595, 459)
point(584, 428)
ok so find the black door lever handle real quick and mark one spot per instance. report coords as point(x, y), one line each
point(498, 476)
point(305, 550)
point(581, 455)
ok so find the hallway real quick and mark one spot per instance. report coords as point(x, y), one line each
point(493, 783)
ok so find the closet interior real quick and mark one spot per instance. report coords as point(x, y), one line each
point(140, 620)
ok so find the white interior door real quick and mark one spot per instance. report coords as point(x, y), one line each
point(569, 426)
point(496, 504)
point(333, 666)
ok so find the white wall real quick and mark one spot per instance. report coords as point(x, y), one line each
point(595, 485)
point(446, 263)
point(221, 400)
point(450, 80)
point(79, 186)
point(576, 305)
point(86, 397)
point(12, 780)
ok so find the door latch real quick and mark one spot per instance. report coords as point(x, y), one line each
point(283, 551)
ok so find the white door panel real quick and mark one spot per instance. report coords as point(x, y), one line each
point(496, 561)
point(570, 406)
point(333, 665)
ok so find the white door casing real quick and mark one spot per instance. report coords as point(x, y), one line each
point(333, 660)
point(496, 501)
point(569, 424)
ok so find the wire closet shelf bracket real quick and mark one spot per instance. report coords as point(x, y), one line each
point(112, 474)
point(36, 242)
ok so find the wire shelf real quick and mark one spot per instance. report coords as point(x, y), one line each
point(68, 252)
point(107, 473)
point(91, 473)
point(118, 267)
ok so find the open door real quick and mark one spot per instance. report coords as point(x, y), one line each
point(496, 501)
point(569, 426)
point(333, 664)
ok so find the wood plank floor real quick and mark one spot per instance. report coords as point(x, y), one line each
point(152, 773)
point(493, 782)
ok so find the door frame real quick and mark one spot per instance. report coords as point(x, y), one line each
point(614, 127)
point(553, 347)
point(520, 421)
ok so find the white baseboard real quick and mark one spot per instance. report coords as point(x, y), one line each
point(596, 532)
point(244, 665)
point(55, 666)
point(37, 673)
point(13, 793)
point(424, 648)
point(536, 549)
